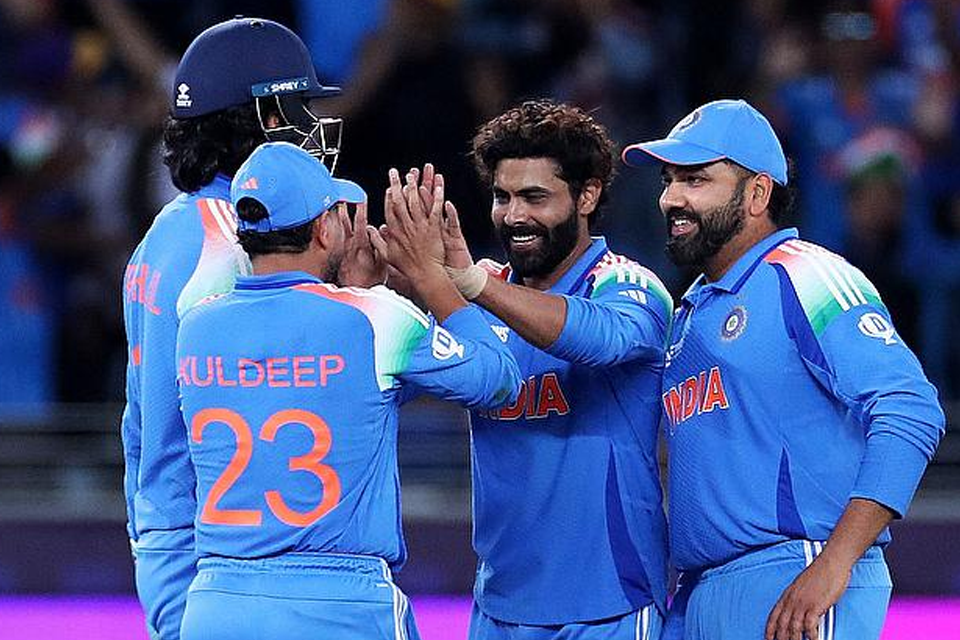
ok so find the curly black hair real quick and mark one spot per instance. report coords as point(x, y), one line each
point(579, 144)
point(197, 149)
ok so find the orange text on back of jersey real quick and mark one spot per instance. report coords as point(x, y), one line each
point(140, 285)
point(292, 371)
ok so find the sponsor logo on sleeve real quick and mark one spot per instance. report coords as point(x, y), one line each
point(444, 345)
point(874, 325)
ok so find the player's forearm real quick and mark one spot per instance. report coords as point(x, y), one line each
point(858, 529)
point(536, 316)
point(437, 292)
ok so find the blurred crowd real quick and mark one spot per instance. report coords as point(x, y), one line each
point(865, 94)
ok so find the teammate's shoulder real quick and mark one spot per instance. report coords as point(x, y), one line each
point(812, 266)
point(611, 262)
point(204, 306)
point(189, 211)
point(494, 268)
point(614, 269)
point(379, 303)
point(825, 283)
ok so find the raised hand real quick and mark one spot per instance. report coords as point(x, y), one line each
point(414, 244)
point(413, 238)
point(363, 264)
point(426, 180)
point(456, 252)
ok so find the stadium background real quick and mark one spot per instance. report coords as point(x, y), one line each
point(866, 96)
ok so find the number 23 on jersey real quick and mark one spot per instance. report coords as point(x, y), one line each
point(311, 462)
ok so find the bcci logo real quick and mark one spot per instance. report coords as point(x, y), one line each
point(734, 325)
point(874, 325)
point(686, 123)
point(183, 95)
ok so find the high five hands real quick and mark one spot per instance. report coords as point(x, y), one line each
point(364, 259)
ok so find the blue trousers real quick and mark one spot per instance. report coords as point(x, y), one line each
point(165, 565)
point(734, 600)
point(643, 624)
point(297, 595)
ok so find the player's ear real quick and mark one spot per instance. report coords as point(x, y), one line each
point(329, 228)
point(321, 232)
point(589, 196)
point(758, 194)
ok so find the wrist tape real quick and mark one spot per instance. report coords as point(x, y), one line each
point(470, 281)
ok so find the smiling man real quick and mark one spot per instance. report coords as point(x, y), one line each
point(799, 423)
point(568, 521)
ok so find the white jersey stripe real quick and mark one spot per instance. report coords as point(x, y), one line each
point(398, 630)
point(824, 259)
point(823, 275)
point(222, 217)
point(838, 278)
point(827, 621)
point(382, 293)
point(856, 289)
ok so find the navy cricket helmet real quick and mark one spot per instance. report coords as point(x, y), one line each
point(254, 60)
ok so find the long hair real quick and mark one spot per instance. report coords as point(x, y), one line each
point(197, 149)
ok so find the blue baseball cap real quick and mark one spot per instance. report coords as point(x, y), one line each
point(292, 185)
point(720, 130)
point(235, 61)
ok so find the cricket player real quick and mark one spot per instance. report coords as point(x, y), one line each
point(239, 83)
point(290, 390)
point(798, 421)
point(568, 518)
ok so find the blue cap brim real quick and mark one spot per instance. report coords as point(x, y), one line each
point(350, 192)
point(668, 151)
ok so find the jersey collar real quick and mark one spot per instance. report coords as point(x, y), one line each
point(218, 188)
point(275, 280)
point(571, 281)
point(734, 278)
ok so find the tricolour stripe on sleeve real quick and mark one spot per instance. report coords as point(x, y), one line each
point(398, 325)
point(825, 283)
point(614, 270)
point(221, 258)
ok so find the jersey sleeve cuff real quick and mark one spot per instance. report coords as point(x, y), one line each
point(890, 472)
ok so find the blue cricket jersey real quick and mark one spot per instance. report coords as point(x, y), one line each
point(290, 391)
point(568, 516)
point(787, 392)
point(190, 252)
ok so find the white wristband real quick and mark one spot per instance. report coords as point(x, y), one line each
point(470, 281)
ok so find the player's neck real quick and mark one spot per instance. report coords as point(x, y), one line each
point(269, 264)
